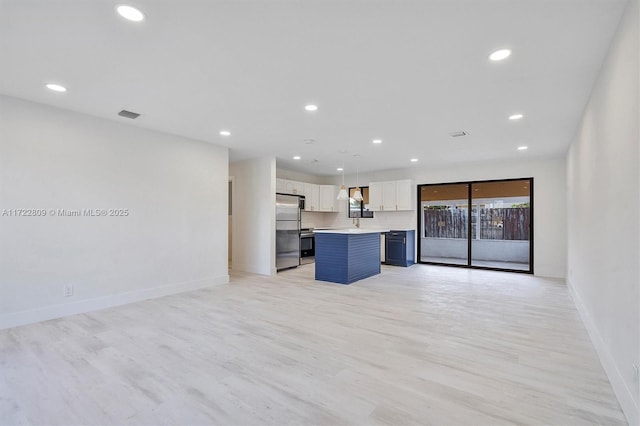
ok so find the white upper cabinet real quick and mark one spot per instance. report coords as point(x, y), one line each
point(297, 187)
point(405, 191)
point(311, 192)
point(375, 196)
point(285, 186)
point(328, 198)
point(391, 195)
point(318, 198)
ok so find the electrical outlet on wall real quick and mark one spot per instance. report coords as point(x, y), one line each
point(68, 290)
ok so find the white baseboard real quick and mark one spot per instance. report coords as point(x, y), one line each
point(31, 316)
point(252, 268)
point(623, 393)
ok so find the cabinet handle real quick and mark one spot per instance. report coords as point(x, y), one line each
point(404, 241)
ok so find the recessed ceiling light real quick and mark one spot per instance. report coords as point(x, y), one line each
point(523, 148)
point(499, 55)
point(296, 157)
point(339, 169)
point(515, 117)
point(56, 87)
point(225, 133)
point(377, 141)
point(311, 107)
point(130, 13)
point(414, 160)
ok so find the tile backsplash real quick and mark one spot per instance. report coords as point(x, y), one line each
point(385, 220)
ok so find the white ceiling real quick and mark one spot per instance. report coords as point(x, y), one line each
point(408, 72)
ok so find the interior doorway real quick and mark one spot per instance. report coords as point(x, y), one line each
point(230, 224)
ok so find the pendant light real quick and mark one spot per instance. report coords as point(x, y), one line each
point(357, 195)
point(342, 195)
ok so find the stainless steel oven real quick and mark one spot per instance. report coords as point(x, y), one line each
point(307, 246)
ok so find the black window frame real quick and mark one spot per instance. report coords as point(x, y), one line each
point(469, 202)
point(369, 213)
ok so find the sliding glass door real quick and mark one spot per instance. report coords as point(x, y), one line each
point(445, 223)
point(501, 236)
point(478, 224)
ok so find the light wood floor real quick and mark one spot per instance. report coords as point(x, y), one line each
point(419, 345)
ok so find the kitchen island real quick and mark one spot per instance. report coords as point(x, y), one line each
point(347, 255)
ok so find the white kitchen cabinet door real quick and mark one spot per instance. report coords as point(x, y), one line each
point(288, 186)
point(311, 192)
point(404, 194)
point(328, 195)
point(389, 196)
point(375, 196)
point(281, 185)
point(298, 187)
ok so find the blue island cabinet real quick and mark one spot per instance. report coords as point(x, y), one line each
point(399, 246)
point(347, 257)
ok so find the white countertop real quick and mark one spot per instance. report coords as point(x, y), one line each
point(350, 231)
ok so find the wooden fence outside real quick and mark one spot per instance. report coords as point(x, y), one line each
point(495, 224)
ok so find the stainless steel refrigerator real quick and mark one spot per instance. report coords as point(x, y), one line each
point(288, 230)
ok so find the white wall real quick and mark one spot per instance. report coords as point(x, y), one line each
point(254, 215)
point(549, 202)
point(603, 214)
point(297, 176)
point(173, 239)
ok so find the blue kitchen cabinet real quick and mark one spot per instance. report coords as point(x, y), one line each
point(346, 256)
point(399, 248)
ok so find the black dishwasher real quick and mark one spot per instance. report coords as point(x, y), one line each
point(399, 248)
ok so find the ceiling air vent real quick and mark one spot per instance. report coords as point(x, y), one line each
point(458, 134)
point(128, 114)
